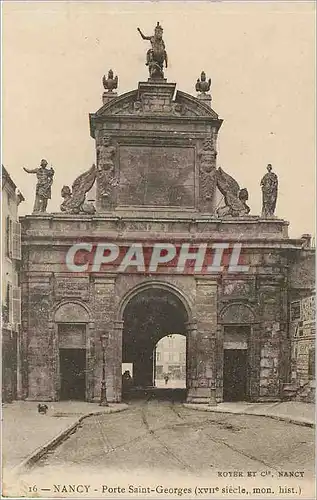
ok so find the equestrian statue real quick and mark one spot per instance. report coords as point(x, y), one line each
point(156, 56)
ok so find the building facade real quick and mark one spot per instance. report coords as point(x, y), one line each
point(303, 338)
point(11, 292)
point(170, 353)
point(157, 258)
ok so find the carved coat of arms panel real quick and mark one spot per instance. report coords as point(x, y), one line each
point(156, 176)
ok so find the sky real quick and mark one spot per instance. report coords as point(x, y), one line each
point(259, 55)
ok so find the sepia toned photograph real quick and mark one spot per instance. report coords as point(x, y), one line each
point(158, 250)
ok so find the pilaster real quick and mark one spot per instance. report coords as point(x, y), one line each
point(40, 349)
point(270, 354)
point(202, 344)
point(104, 304)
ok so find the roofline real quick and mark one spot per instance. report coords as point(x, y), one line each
point(94, 118)
point(99, 117)
point(8, 179)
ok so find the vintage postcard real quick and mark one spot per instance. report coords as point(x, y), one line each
point(158, 281)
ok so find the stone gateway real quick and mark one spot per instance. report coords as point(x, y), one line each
point(157, 183)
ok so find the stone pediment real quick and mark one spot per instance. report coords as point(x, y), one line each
point(155, 99)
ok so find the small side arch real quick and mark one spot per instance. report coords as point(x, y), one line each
point(237, 313)
point(71, 311)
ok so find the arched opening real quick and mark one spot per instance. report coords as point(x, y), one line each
point(71, 320)
point(237, 320)
point(149, 316)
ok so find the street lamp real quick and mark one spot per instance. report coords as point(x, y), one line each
point(212, 400)
point(103, 394)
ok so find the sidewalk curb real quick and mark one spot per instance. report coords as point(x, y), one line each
point(290, 420)
point(57, 440)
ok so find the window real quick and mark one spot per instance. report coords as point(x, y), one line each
point(8, 237)
point(182, 357)
point(159, 371)
point(295, 310)
point(171, 356)
point(8, 309)
point(13, 239)
point(16, 305)
point(16, 240)
point(158, 356)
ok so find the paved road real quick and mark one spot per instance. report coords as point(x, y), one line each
point(171, 384)
point(157, 441)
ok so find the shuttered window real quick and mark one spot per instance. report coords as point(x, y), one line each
point(13, 239)
point(16, 305)
point(16, 240)
point(9, 303)
point(8, 243)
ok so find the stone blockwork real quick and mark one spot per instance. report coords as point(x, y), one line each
point(202, 342)
point(257, 298)
point(303, 337)
point(302, 379)
point(39, 336)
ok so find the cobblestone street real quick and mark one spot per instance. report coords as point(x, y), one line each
point(155, 442)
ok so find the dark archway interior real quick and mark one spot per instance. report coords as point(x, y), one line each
point(149, 316)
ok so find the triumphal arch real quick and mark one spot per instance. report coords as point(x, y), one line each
point(155, 238)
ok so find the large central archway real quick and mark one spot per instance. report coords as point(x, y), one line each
point(150, 314)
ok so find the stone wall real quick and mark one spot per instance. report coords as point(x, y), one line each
point(302, 379)
point(303, 334)
point(302, 273)
point(257, 298)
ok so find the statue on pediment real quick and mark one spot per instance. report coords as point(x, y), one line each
point(75, 198)
point(269, 184)
point(235, 198)
point(43, 187)
point(156, 56)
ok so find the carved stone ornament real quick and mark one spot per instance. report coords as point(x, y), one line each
point(106, 180)
point(110, 83)
point(202, 85)
point(74, 199)
point(145, 107)
point(269, 184)
point(138, 102)
point(234, 197)
point(207, 174)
